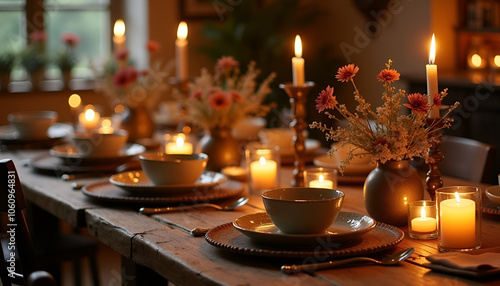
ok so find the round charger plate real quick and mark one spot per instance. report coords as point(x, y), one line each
point(488, 206)
point(381, 237)
point(57, 131)
point(347, 226)
point(70, 155)
point(137, 182)
point(107, 192)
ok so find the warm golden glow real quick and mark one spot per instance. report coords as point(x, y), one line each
point(262, 161)
point(298, 47)
point(74, 100)
point(432, 53)
point(119, 108)
point(321, 179)
point(89, 114)
point(106, 123)
point(457, 197)
point(182, 31)
point(180, 141)
point(476, 60)
point(119, 28)
point(496, 60)
point(422, 212)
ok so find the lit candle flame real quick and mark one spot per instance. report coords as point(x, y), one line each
point(432, 53)
point(180, 141)
point(321, 179)
point(119, 28)
point(457, 197)
point(262, 161)
point(422, 212)
point(497, 60)
point(89, 114)
point(476, 60)
point(298, 47)
point(182, 31)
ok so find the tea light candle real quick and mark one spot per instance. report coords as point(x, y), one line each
point(321, 183)
point(179, 146)
point(106, 126)
point(458, 223)
point(423, 223)
point(89, 118)
point(263, 174)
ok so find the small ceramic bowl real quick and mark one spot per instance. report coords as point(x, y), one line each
point(32, 124)
point(342, 153)
point(173, 169)
point(493, 194)
point(303, 210)
point(100, 144)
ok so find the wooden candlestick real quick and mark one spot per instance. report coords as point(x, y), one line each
point(297, 96)
point(433, 180)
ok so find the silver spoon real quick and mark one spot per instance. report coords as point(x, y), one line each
point(389, 260)
point(222, 207)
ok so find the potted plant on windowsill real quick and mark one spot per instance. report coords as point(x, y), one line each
point(66, 58)
point(33, 58)
point(7, 60)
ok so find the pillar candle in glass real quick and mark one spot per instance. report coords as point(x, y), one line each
point(178, 144)
point(89, 118)
point(263, 163)
point(422, 222)
point(459, 221)
point(319, 177)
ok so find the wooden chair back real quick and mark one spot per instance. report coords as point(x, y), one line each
point(467, 159)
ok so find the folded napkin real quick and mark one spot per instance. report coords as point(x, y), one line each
point(477, 264)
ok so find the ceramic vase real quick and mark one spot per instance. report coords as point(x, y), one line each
point(138, 122)
point(222, 149)
point(389, 188)
point(66, 76)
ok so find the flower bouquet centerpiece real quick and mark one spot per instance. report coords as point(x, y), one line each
point(132, 92)
point(218, 101)
point(66, 58)
point(392, 134)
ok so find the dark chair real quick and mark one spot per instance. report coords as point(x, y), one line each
point(467, 159)
point(19, 262)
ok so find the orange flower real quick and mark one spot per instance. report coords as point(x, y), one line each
point(417, 103)
point(388, 75)
point(437, 99)
point(346, 73)
point(219, 100)
point(153, 46)
point(326, 100)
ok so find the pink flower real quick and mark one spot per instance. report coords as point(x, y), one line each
point(226, 63)
point(388, 75)
point(417, 103)
point(219, 100)
point(346, 73)
point(153, 46)
point(38, 36)
point(196, 95)
point(125, 77)
point(70, 39)
point(326, 100)
point(236, 96)
point(121, 54)
point(437, 99)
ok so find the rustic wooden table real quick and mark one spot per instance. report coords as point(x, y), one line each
point(161, 243)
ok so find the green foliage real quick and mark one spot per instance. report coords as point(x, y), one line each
point(7, 60)
point(33, 58)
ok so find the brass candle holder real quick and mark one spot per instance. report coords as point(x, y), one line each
point(433, 180)
point(297, 95)
point(182, 86)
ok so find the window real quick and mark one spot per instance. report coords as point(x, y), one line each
point(89, 19)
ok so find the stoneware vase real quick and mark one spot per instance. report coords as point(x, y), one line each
point(222, 149)
point(389, 188)
point(138, 122)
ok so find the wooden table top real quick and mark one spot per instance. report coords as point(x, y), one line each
point(161, 243)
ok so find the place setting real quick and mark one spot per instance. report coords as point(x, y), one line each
point(166, 179)
point(491, 200)
point(303, 222)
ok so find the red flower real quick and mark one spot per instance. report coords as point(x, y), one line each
point(153, 46)
point(388, 75)
point(124, 78)
point(437, 99)
point(417, 103)
point(121, 54)
point(38, 36)
point(196, 95)
point(236, 96)
point(346, 73)
point(226, 63)
point(70, 39)
point(219, 100)
point(326, 100)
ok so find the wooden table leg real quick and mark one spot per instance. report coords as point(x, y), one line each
point(136, 275)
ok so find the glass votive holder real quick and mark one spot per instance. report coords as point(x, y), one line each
point(263, 164)
point(422, 220)
point(459, 220)
point(177, 144)
point(319, 177)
